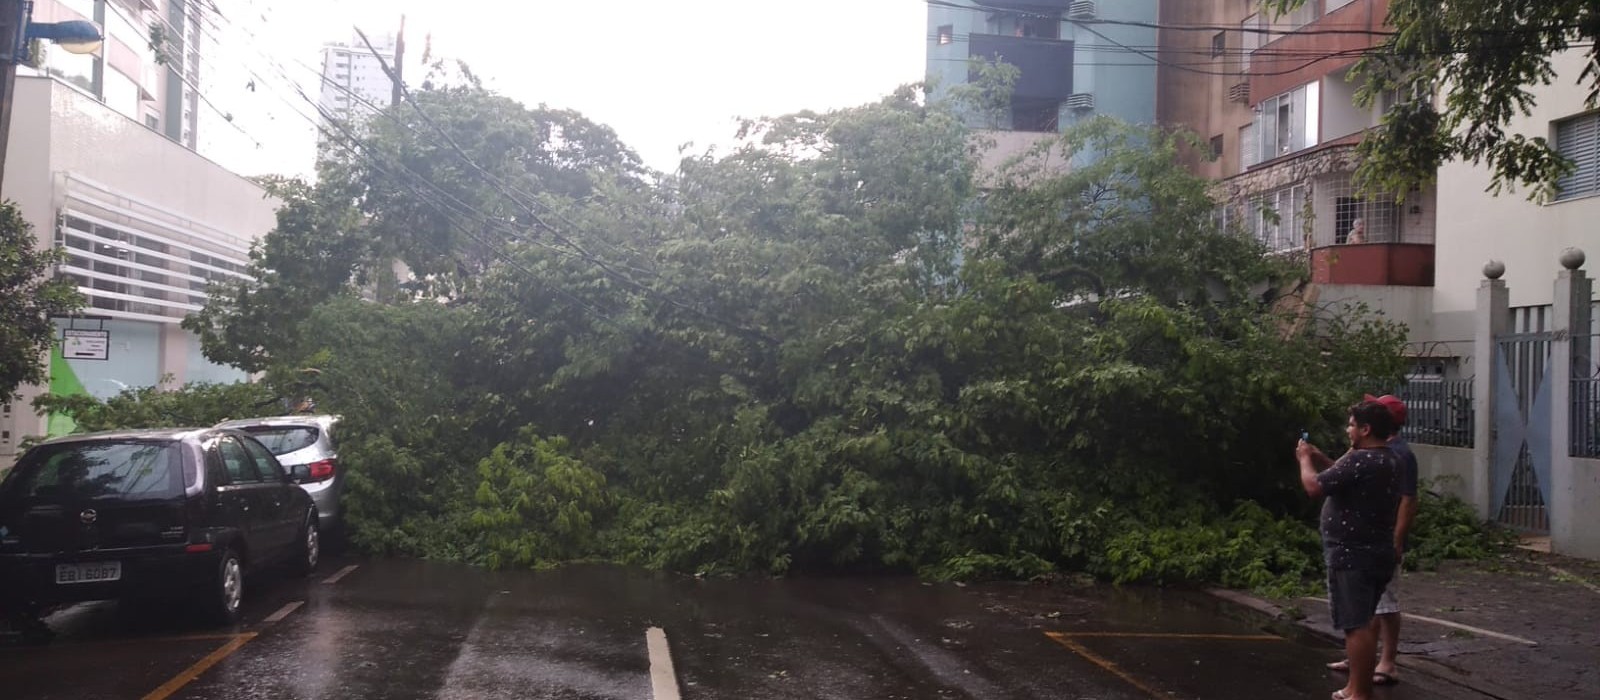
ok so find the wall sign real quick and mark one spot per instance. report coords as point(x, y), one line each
point(85, 344)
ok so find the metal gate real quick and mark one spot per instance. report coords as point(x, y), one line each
point(1522, 419)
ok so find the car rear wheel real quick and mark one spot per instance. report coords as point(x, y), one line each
point(309, 550)
point(226, 595)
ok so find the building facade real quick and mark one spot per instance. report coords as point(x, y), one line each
point(106, 171)
point(353, 79)
point(1075, 60)
point(1494, 410)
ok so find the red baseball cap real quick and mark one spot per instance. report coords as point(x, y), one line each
point(1397, 408)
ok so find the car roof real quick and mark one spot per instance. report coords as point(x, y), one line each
point(168, 434)
point(320, 420)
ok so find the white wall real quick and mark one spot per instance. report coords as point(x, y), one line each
point(1412, 306)
point(56, 131)
point(1475, 226)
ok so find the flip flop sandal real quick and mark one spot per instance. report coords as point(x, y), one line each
point(1339, 695)
point(1341, 665)
point(1381, 678)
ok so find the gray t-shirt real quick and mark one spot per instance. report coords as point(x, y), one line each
point(1363, 499)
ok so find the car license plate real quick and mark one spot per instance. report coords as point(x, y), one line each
point(95, 572)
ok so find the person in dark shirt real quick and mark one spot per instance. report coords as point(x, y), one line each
point(1362, 492)
point(1388, 614)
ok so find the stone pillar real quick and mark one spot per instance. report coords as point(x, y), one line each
point(1493, 319)
point(1574, 521)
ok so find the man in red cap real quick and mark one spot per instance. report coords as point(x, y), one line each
point(1388, 614)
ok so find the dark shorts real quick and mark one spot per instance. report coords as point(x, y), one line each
point(1353, 595)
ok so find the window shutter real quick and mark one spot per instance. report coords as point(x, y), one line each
point(1578, 140)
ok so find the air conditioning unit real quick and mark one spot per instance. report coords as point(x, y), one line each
point(1083, 9)
point(1239, 92)
point(1080, 101)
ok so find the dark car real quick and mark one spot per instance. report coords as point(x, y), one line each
point(172, 515)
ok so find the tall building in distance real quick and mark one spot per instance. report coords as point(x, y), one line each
point(1076, 58)
point(353, 79)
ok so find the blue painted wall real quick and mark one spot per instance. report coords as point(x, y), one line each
point(1122, 80)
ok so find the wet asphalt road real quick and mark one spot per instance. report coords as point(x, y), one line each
point(397, 629)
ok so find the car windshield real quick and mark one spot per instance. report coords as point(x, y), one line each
point(283, 439)
point(130, 470)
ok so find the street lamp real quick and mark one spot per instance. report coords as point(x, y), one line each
point(76, 36)
point(17, 32)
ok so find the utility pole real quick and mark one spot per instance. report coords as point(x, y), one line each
point(399, 64)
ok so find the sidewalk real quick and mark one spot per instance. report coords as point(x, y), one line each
point(1523, 627)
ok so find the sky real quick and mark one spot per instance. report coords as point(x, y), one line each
point(661, 73)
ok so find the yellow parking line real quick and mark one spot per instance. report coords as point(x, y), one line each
point(199, 667)
point(114, 642)
point(1097, 660)
point(1170, 635)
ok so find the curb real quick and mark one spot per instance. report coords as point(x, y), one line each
point(1428, 667)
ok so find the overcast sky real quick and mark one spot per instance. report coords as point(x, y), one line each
point(661, 73)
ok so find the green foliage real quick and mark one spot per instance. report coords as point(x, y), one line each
point(536, 505)
point(1448, 528)
point(825, 350)
point(29, 297)
point(1250, 548)
point(1464, 70)
point(195, 405)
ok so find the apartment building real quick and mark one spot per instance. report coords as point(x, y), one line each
point(1494, 411)
point(102, 164)
point(1072, 65)
point(353, 79)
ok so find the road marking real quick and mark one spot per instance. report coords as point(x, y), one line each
point(663, 679)
point(199, 667)
point(1168, 635)
point(284, 612)
point(341, 574)
point(1457, 625)
point(1102, 662)
point(1575, 578)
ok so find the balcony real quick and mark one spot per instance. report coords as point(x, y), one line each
point(1307, 203)
point(1046, 64)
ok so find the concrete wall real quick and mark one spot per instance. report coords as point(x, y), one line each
point(1412, 306)
point(1585, 541)
point(1450, 468)
point(1475, 226)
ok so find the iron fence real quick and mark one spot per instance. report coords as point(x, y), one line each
point(1585, 418)
point(1439, 412)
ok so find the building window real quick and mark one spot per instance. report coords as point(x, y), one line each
point(1216, 147)
point(1288, 123)
point(1249, 148)
point(947, 34)
point(1578, 140)
point(152, 121)
point(1278, 219)
point(1250, 39)
point(1219, 44)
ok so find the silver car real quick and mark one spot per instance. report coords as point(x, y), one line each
point(305, 447)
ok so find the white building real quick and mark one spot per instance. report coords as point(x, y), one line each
point(353, 79)
point(101, 163)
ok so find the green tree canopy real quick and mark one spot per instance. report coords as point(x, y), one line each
point(29, 296)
